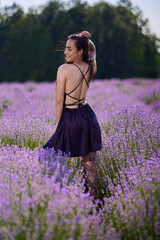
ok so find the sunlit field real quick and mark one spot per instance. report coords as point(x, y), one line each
point(42, 194)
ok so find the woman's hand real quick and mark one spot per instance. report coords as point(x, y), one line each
point(85, 34)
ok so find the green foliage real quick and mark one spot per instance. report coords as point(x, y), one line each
point(150, 99)
point(32, 43)
point(5, 103)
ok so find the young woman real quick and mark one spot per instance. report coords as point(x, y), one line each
point(78, 132)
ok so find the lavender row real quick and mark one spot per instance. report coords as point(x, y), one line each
point(42, 195)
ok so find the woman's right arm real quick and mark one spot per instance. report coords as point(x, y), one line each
point(92, 48)
point(92, 56)
point(92, 51)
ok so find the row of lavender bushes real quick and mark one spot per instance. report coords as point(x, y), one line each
point(42, 194)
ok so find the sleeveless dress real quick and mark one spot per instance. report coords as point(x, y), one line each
point(78, 132)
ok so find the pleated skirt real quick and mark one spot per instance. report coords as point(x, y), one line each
point(77, 133)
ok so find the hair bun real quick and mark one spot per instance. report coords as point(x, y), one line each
point(84, 37)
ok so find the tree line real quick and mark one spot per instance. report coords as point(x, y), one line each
point(32, 43)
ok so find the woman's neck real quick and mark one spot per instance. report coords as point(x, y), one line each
point(78, 62)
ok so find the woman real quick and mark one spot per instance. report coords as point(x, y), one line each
point(78, 132)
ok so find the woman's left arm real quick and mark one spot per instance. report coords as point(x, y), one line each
point(60, 90)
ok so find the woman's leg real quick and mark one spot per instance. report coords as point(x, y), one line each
point(90, 171)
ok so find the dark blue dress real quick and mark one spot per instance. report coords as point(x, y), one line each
point(78, 132)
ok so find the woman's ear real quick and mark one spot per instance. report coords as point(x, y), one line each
point(80, 52)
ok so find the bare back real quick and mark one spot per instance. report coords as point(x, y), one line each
point(77, 83)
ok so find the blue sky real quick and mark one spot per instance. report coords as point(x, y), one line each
point(150, 9)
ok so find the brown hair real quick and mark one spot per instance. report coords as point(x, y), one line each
point(81, 42)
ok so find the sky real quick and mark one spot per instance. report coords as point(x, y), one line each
point(150, 9)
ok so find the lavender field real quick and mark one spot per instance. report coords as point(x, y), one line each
point(42, 195)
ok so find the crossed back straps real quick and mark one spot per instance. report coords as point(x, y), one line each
point(78, 100)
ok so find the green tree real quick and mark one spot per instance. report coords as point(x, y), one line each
point(32, 43)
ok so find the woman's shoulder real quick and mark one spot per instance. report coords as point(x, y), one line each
point(65, 70)
point(65, 67)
